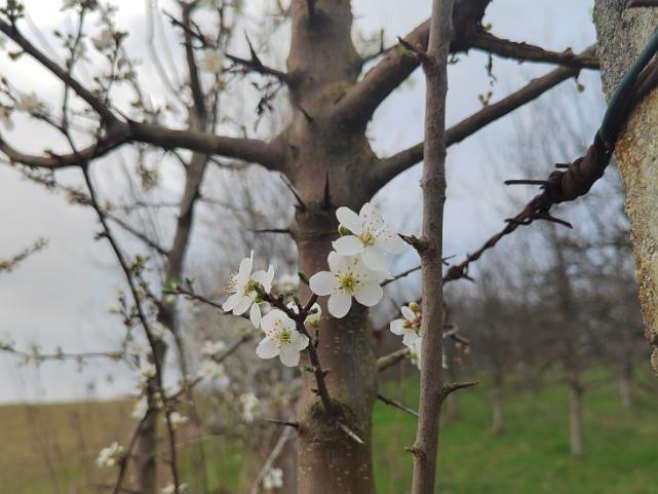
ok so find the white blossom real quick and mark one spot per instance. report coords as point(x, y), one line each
point(159, 330)
point(211, 348)
point(105, 40)
point(273, 479)
point(140, 409)
point(171, 489)
point(414, 351)
point(110, 456)
point(249, 403)
point(348, 277)
point(409, 325)
point(177, 419)
point(147, 370)
point(242, 288)
point(212, 371)
point(29, 102)
point(368, 237)
point(211, 61)
point(136, 348)
point(282, 339)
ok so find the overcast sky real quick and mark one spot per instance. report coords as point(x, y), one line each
point(62, 295)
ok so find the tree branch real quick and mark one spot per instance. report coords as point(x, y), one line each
point(435, 66)
point(360, 102)
point(11, 31)
point(268, 154)
point(388, 168)
point(524, 52)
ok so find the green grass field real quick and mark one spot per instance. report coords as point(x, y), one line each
point(50, 449)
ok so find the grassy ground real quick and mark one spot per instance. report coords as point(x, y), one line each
point(533, 456)
point(50, 449)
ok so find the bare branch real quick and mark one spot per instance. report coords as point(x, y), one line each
point(397, 404)
point(524, 52)
point(388, 168)
point(269, 155)
point(62, 74)
point(360, 102)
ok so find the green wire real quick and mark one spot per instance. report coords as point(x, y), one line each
point(610, 126)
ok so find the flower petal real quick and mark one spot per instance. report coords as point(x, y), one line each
point(390, 242)
point(289, 356)
point(409, 339)
point(323, 283)
point(348, 245)
point(350, 220)
point(407, 313)
point(255, 315)
point(339, 304)
point(267, 349)
point(243, 305)
point(232, 302)
point(370, 294)
point(371, 218)
point(375, 259)
point(397, 326)
point(246, 265)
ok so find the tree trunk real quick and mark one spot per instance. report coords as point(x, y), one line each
point(576, 420)
point(329, 460)
point(622, 35)
point(325, 163)
point(626, 383)
point(498, 424)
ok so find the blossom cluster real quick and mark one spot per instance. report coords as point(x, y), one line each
point(409, 328)
point(358, 265)
point(282, 338)
point(359, 262)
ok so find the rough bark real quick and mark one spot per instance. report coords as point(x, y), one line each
point(324, 162)
point(622, 35)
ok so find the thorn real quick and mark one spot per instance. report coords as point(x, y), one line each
point(525, 182)
point(288, 423)
point(449, 388)
point(562, 165)
point(300, 206)
point(397, 404)
point(254, 56)
point(553, 219)
point(309, 118)
point(418, 453)
point(326, 201)
point(285, 231)
point(350, 433)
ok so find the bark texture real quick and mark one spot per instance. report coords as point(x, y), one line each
point(430, 248)
point(622, 34)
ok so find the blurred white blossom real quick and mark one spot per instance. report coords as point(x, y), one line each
point(110, 456)
point(273, 479)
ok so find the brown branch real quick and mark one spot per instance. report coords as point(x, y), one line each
point(397, 404)
point(388, 168)
point(268, 154)
point(524, 52)
point(391, 359)
point(192, 68)
point(359, 103)
point(431, 242)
